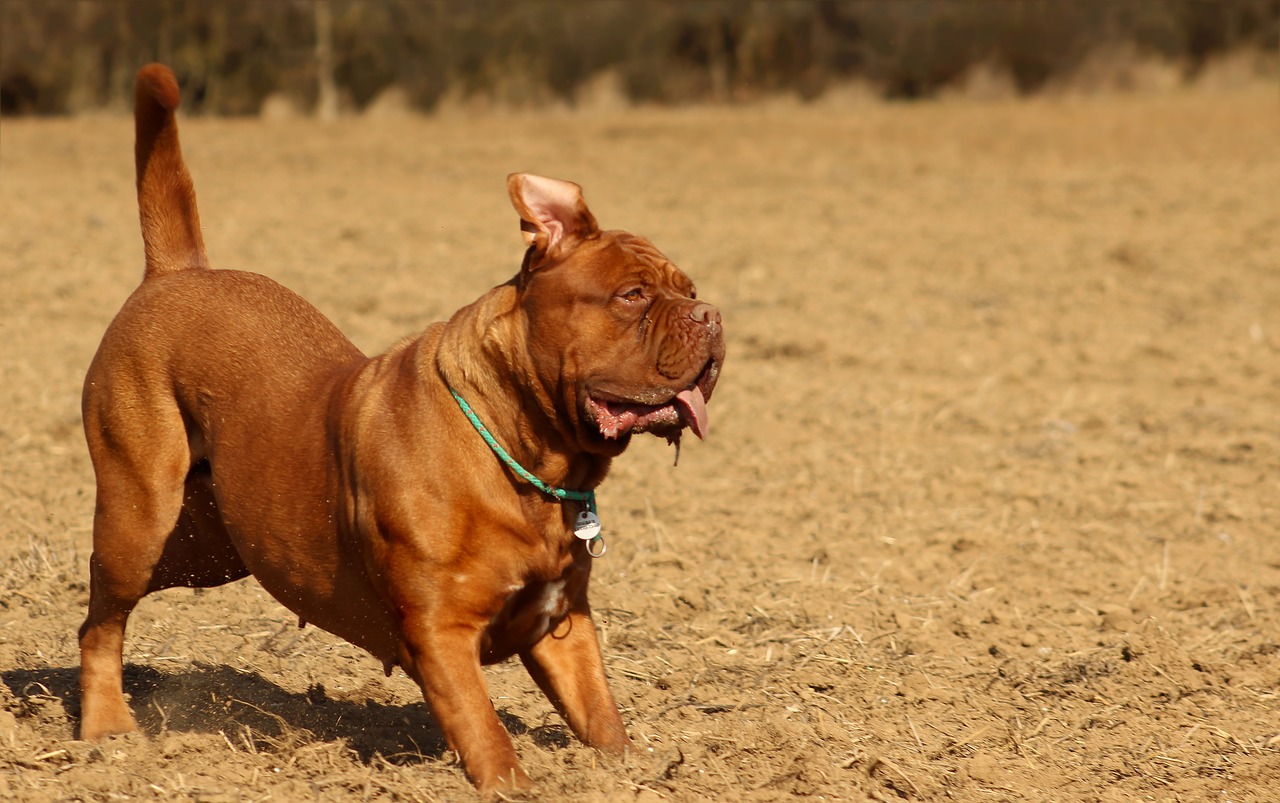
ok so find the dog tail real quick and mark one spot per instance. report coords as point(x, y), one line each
point(166, 197)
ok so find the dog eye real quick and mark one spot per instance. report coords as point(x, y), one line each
point(634, 294)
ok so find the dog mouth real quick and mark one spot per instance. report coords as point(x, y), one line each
point(667, 413)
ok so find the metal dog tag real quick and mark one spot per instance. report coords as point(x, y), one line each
point(587, 526)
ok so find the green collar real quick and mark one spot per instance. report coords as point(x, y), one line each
point(586, 519)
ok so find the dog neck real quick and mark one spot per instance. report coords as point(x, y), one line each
point(500, 387)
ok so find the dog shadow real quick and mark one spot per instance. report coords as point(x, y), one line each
point(248, 709)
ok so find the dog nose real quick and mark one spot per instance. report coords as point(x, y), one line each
point(703, 312)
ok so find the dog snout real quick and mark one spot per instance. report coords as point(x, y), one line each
point(706, 319)
point(704, 313)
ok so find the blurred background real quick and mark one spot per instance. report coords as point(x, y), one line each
point(332, 57)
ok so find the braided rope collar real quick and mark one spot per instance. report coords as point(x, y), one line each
point(587, 526)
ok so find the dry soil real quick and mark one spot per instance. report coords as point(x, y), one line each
point(988, 510)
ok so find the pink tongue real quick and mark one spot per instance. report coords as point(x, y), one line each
point(693, 407)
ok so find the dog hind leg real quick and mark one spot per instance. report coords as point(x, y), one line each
point(141, 465)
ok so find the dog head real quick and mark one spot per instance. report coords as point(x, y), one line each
point(616, 332)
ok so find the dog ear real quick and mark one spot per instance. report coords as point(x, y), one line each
point(550, 210)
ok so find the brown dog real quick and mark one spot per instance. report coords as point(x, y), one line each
point(234, 430)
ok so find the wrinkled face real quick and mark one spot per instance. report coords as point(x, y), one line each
point(618, 335)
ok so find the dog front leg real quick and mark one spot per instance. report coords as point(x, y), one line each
point(568, 667)
point(444, 659)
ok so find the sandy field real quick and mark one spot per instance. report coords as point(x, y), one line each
point(988, 510)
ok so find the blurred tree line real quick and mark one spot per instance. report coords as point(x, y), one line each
point(70, 56)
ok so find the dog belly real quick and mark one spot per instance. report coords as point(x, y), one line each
point(325, 593)
point(288, 537)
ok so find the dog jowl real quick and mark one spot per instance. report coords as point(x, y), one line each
point(426, 504)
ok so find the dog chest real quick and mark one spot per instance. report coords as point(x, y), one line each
point(529, 612)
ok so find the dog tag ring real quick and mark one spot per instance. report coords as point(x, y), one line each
point(587, 526)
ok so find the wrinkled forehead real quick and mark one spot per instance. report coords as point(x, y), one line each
point(648, 263)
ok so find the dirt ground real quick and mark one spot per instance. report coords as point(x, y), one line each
point(988, 510)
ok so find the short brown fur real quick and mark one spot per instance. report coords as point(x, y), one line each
point(234, 430)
